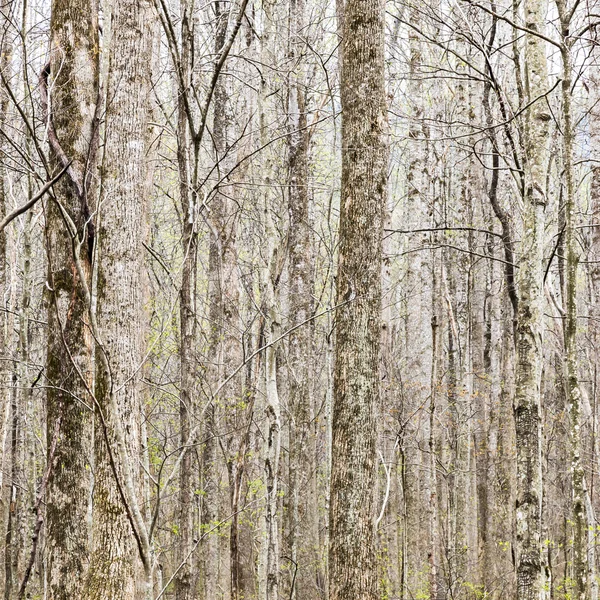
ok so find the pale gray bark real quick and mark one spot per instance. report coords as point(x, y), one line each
point(532, 571)
point(594, 283)
point(573, 392)
point(5, 58)
point(303, 517)
point(417, 328)
point(119, 534)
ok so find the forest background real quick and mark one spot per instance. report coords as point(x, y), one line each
point(299, 299)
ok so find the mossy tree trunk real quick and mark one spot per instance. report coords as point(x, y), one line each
point(352, 553)
point(69, 368)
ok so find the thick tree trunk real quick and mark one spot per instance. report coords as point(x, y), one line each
point(74, 76)
point(119, 534)
point(352, 554)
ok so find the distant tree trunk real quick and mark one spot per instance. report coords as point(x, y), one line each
point(594, 279)
point(417, 327)
point(433, 543)
point(532, 572)
point(352, 554)
point(187, 305)
point(11, 542)
point(225, 353)
point(18, 525)
point(459, 476)
point(303, 517)
point(482, 323)
point(18, 520)
point(119, 535)
point(573, 391)
point(5, 383)
point(73, 134)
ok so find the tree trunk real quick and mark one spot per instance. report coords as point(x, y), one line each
point(69, 368)
point(532, 572)
point(225, 345)
point(303, 517)
point(119, 535)
point(573, 391)
point(594, 282)
point(5, 377)
point(187, 307)
point(352, 554)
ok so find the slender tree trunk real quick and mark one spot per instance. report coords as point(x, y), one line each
point(417, 339)
point(580, 524)
point(303, 517)
point(268, 571)
point(5, 378)
point(187, 308)
point(17, 530)
point(225, 346)
point(594, 279)
point(271, 451)
point(434, 533)
point(532, 571)
point(18, 520)
point(352, 554)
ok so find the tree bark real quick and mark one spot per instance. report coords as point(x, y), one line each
point(303, 516)
point(352, 554)
point(532, 571)
point(225, 345)
point(69, 368)
point(573, 391)
point(187, 303)
point(5, 377)
point(119, 535)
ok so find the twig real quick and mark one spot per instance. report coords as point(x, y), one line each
point(25, 207)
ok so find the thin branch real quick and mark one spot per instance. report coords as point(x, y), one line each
point(515, 25)
point(25, 207)
point(427, 229)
